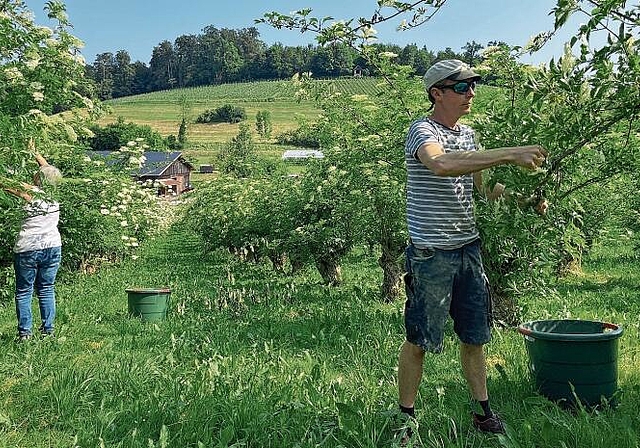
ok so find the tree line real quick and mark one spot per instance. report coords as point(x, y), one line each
point(224, 55)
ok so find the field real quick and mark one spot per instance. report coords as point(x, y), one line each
point(253, 358)
point(248, 358)
point(162, 110)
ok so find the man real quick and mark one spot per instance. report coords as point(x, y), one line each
point(444, 268)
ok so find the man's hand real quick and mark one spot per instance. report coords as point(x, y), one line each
point(531, 157)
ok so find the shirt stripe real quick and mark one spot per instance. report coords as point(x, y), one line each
point(440, 211)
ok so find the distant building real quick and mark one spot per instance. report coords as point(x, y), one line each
point(206, 169)
point(169, 169)
point(301, 154)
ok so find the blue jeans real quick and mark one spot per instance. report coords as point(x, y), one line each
point(39, 268)
point(441, 283)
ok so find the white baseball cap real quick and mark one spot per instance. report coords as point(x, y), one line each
point(452, 69)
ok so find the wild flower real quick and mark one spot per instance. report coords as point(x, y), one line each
point(38, 96)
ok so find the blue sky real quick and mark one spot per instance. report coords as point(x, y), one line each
point(139, 25)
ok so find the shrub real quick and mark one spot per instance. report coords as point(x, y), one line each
point(306, 135)
point(223, 114)
point(115, 135)
point(102, 217)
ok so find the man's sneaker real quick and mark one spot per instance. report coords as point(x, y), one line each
point(491, 424)
point(407, 435)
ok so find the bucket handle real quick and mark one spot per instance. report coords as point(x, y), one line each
point(525, 331)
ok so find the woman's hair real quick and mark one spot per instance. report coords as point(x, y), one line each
point(47, 174)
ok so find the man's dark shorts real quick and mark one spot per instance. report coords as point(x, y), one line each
point(446, 282)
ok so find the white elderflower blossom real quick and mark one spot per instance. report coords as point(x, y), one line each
point(104, 211)
point(79, 59)
point(13, 74)
point(124, 223)
point(388, 54)
point(88, 104)
point(32, 63)
point(44, 31)
point(38, 96)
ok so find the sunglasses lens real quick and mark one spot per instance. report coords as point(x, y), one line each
point(463, 87)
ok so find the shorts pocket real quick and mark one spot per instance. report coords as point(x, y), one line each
point(423, 254)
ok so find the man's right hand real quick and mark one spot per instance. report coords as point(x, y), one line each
point(531, 157)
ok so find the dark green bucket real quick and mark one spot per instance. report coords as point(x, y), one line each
point(149, 304)
point(570, 357)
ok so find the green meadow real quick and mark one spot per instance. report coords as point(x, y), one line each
point(162, 110)
point(250, 358)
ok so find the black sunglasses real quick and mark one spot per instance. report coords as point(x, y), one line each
point(460, 87)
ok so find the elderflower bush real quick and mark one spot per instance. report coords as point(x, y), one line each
point(105, 217)
point(106, 214)
point(40, 75)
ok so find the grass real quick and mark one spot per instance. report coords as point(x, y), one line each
point(250, 358)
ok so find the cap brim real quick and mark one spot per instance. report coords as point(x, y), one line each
point(464, 74)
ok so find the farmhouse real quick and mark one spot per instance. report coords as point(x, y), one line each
point(169, 169)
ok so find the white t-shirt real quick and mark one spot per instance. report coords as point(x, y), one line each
point(40, 227)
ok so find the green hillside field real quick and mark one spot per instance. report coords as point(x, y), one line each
point(163, 110)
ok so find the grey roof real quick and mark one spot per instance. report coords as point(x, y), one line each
point(155, 164)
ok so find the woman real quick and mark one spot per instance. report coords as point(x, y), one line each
point(37, 251)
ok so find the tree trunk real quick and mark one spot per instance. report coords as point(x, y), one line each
point(392, 269)
point(278, 261)
point(506, 311)
point(296, 261)
point(567, 264)
point(330, 271)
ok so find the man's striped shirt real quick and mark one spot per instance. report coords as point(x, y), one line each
point(439, 209)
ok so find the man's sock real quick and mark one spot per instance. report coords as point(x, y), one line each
point(409, 411)
point(484, 404)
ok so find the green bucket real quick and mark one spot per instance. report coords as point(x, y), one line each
point(149, 304)
point(572, 359)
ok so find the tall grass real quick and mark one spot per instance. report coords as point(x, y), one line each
point(250, 358)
